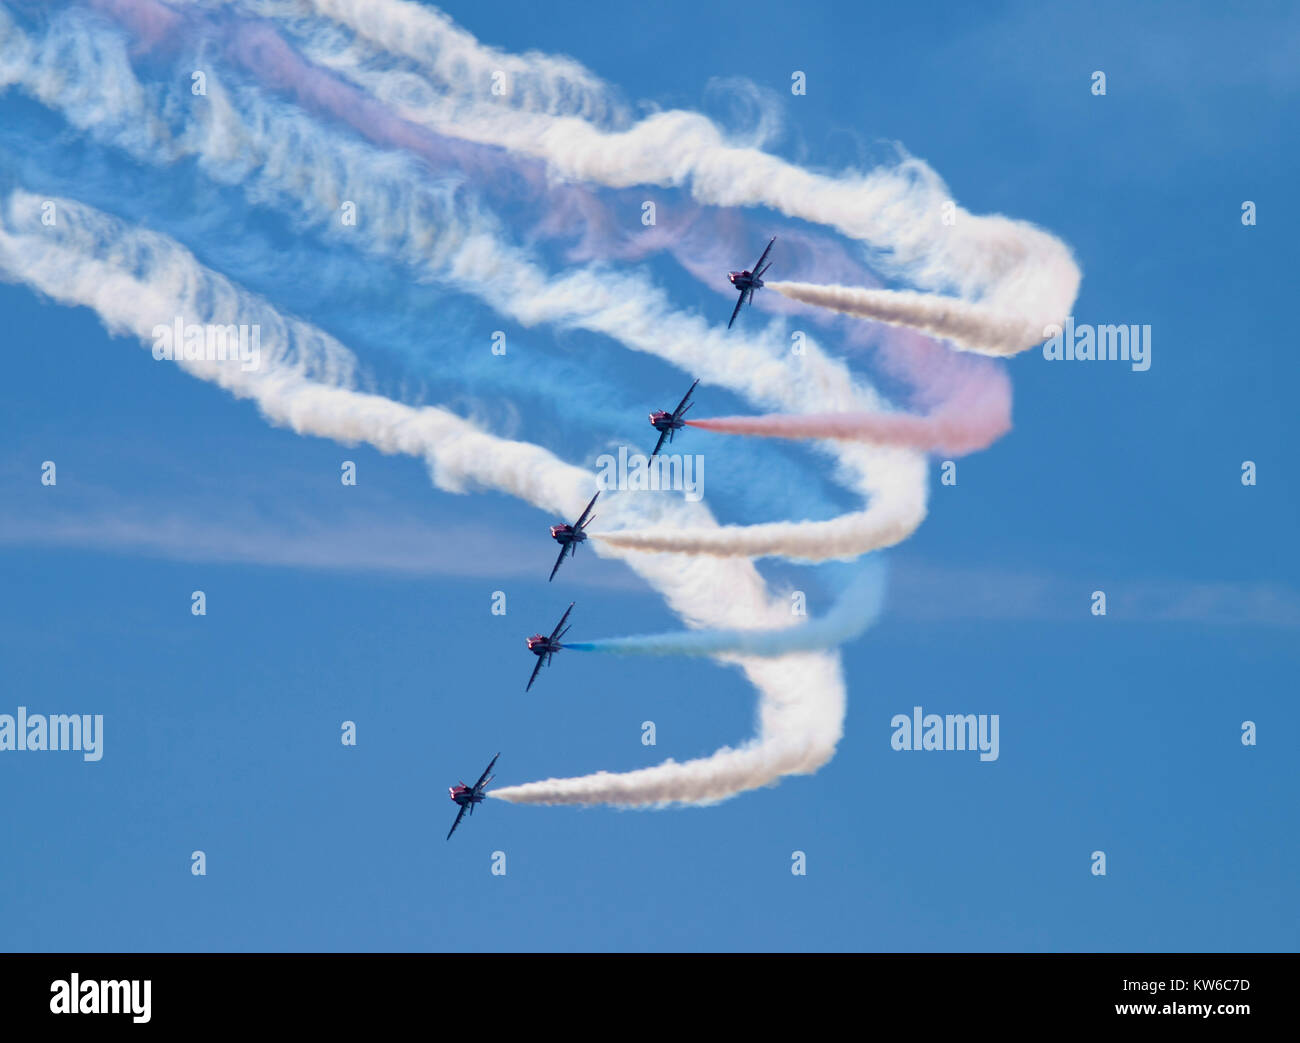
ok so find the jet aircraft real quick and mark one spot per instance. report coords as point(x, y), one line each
point(569, 536)
point(468, 796)
point(545, 647)
point(749, 281)
point(668, 423)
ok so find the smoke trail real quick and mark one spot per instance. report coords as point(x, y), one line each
point(801, 711)
point(134, 279)
point(537, 82)
point(283, 158)
point(781, 751)
point(377, 307)
point(974, 327)
point(1018, 278)
point(703, 243)
point(840, 538)
point(1014, 278)
point(788, 752)
point(973, 418)
point(853, 613)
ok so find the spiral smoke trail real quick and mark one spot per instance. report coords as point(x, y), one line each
point(1010, 279)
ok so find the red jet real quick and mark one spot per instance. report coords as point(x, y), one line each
point(569, 536)
point(747, 282)
point(545, 647)
point(669, 423)
point(468, 796)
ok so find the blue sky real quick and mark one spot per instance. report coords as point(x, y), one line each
point(372, 603)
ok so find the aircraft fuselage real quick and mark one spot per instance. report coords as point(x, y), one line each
point(463, 795)
point(541, 645)
point(567, 534)
point(661, 420)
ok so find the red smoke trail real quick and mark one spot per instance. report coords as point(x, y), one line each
point(706, 241)
point(970, 400)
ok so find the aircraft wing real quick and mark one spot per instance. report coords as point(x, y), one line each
point(460, 815)
point(536, 670)
point(764, 257)
point(681, 406)
point(585, 511)
point(486, 772)
point(736, 311)
point(663, 435)
point(564, 549)
point(560, 625)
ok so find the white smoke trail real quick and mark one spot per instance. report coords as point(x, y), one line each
point(854, 611)
point(136, 280)
point(838, 538)
point(281, 157)
point(534, 82)
point(973, 327)
point(1012, 278)
point(929, 261)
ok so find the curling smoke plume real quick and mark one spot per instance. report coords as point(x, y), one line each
point(1010, 277)
point(972, 327)
point(973, 418)
point(854, 611)
point(135, 280)
point(286, 159)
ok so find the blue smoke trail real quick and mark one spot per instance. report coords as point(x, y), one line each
point(573, 390)
point(374, 305)
point(853, 612)
point(377, 306)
